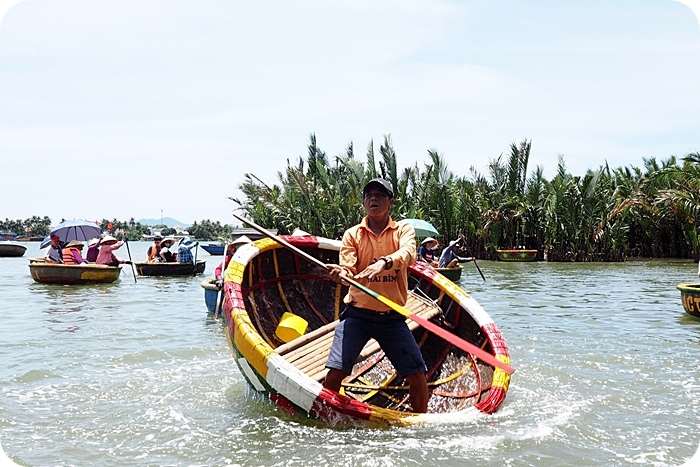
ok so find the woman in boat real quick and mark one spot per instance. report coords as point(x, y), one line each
point(72, 253)
point(377, 252)
point(93, 250)
point(426, 252)
point(167, 256)
point(184, 250)
point(106, 256)
point(450, 259)
point(230, 250)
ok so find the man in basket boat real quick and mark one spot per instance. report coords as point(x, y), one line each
point(377, 252)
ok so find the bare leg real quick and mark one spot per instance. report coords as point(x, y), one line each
point(453, 264)
point(334, 379)
point(418, 390)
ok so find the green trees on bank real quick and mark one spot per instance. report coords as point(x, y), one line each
point(33, 227)
point(40, 227)
point(607, 214)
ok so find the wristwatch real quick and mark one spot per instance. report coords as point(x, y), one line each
point(389, 262)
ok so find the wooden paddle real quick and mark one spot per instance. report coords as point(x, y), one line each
point(475, 263)
point(196, 250)
point(432, 327)
point(126, 242)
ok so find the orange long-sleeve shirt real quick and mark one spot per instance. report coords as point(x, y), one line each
point(361, 247)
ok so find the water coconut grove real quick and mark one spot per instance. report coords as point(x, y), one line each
point(606, 214)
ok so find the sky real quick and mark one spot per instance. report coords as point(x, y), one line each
point(149, 108)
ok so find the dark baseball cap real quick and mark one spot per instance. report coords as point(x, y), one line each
point(384, 185)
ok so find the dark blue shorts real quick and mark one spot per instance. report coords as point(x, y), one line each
point(356, 327)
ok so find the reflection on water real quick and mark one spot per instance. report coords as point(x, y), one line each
point(134, 374)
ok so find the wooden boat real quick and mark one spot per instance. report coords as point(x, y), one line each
point(213, 249)
point(170, 269)
point(211, 294)
point(517, 255)
point(265, 282)
point(11, 249)
point(72, 274)
point(690, 298)
point(453, 274)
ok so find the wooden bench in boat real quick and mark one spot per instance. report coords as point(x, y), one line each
point(309, 352)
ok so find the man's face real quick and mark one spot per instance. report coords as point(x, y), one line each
point(377, 202)
point(54, 241)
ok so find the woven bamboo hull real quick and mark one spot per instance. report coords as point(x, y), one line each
point(690, 298)
point(11, 249)
point(73, 274)
point(517, 255)
point(170, 269)
point(264, 280)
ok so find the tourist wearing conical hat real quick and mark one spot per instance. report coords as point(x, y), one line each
point(72, 253)
point(230, 250)
point(426, 252)
point(106, 256)
point(165, 254)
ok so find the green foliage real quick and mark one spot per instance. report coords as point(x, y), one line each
point(33, 227)
point(604, 215)
point(209, 231)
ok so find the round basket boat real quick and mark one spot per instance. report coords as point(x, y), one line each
point(690, 298)
point(73, 274)
point(264, 283)
point(211, 294)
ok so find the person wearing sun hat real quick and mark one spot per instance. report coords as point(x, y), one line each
point(426, 252)
point(72, 253)
point(184, 250)
point(166, 256)
point(230, 250)
point(377, 253)
point(106, 256)
point(93, 250)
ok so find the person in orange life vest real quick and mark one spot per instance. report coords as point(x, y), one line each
point(153, 253)
point(230, 250)
point(426, 252)
point(72, 253)
point(377, 253)
point(107, 245)
point(165, 254)
point(93, 250)
point(55, 252)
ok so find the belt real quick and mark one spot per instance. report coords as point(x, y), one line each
point(373, 312)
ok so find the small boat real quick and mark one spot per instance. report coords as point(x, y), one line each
point(517, 255)
point(211, 294)
point(690, 298)
point(9, 248)
point(72, 274)
point(170, 269)
point(453, 274)
point(281, 311)
point(213, 249)
point(4, 235)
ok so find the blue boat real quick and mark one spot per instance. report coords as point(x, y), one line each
point(211, 293)
point(214, 249)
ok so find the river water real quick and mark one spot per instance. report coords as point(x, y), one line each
point(138, 374)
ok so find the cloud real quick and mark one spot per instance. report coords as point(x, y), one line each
point(694, 5)
point(5, 6)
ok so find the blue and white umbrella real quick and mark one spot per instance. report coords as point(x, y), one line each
point(76, 229)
